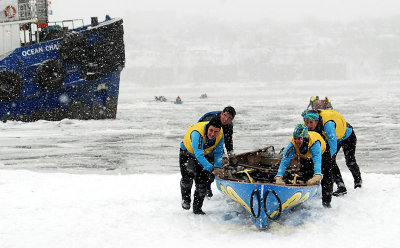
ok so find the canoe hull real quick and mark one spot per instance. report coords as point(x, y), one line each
point(265, 202)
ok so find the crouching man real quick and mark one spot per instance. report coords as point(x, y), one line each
point(200, 139)
point(315, 160)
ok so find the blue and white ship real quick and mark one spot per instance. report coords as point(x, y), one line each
point(52, 71)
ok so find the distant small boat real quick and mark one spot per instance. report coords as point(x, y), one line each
point(252, 186)
point(178, 100)
point(160, 98)
point(203, 96)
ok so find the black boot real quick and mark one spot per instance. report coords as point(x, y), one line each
point(355, 171)
point(357, 183)
point(209, 193)
point(198, 203)
point(185, 205)
point(326, 204)
point(198, 211)
point(186, 188)
point(341, 190)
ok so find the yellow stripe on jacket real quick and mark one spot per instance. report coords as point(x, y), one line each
point(313, 137)
point(200, 127)
point(332, 115)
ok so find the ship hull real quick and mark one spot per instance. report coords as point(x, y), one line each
point(70, 74)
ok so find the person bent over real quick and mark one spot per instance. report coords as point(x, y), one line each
point(315, 161)
point(226, 116)
point(338, 133)
point(200, 139)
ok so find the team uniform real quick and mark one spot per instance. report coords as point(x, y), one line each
point(195, 166)
point(228, 140)
point(314, 159)
point(338, 134)
point(228, 129)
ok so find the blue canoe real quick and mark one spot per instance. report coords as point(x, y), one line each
point(254, 190)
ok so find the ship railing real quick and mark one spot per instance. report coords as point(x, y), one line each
point(68, 24)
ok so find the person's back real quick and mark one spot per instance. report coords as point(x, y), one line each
point(208, 116)
point(338, 133)
point(226, 116)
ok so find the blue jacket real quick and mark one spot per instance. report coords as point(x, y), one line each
point(228, 129)
point(290, 151)
point(197, 141)
point(330, 132)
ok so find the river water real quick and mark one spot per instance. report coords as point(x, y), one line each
point(145, 136)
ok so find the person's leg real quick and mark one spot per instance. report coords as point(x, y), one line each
point(337, 176)
point(306, 169)
point(327, 182)
point(186, 164)
point(349, 149)
point(209, 193)
point(201, 180)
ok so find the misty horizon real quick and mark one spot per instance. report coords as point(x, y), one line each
point(200, 49)
point(203, 41)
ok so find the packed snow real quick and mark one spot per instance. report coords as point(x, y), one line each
point(143, 210)
point(115, 183)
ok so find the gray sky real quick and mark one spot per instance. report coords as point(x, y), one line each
point(284, 10)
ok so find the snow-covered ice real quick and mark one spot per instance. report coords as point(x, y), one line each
point(143, 210)
point(115, 183)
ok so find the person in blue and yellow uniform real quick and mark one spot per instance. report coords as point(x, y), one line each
point(200, 139)
point(226, 116)
point(338, 133)
point(315, 161)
